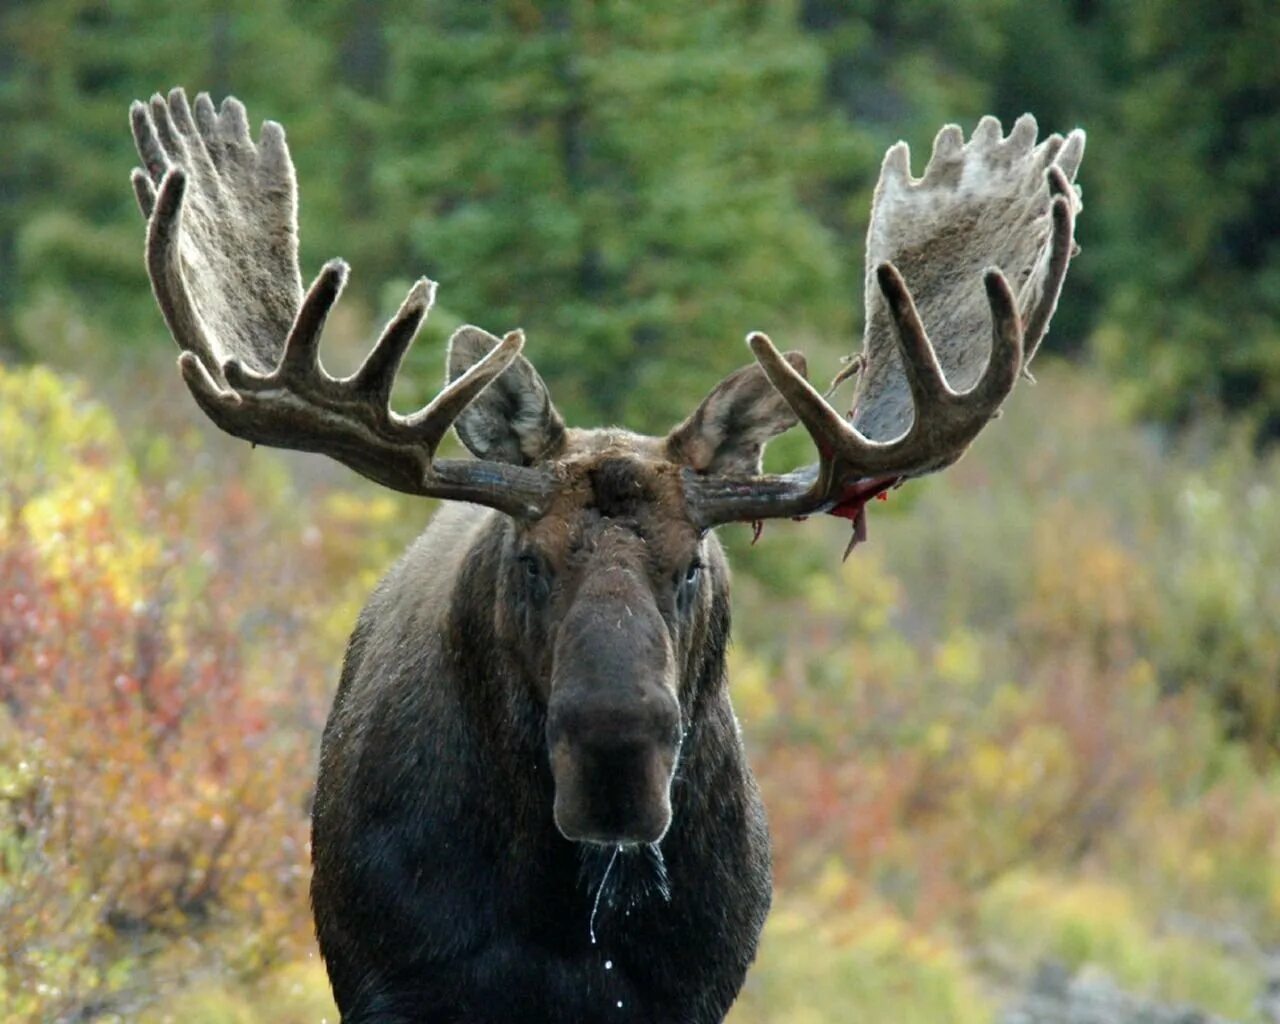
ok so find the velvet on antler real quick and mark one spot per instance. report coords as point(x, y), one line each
point(964, 268)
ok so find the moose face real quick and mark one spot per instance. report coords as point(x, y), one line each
point(610, 591)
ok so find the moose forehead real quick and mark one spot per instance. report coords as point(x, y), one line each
point(611, 480)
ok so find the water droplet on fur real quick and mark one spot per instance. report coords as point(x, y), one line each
point(608, 965)
point(619, 1004)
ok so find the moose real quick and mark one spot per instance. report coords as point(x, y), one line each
point(533, 801)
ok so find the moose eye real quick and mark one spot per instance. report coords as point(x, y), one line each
point(687, 585)
point(537, 584)
point(532, 570)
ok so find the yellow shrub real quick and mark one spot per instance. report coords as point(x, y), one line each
point(1078, 923)
point(157, 723)
point(1028, 917)
point(86, 524)
point(297, 993)
point(207, 1002)
point(819, 966)
point(1087, 590)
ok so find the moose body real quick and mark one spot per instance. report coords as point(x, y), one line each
point(443, 890)
point(533, 804)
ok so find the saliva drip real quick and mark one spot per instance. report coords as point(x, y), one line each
point(595, 908)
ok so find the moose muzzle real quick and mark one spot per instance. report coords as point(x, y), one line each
point(613, 720)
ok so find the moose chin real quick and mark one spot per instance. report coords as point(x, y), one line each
point(533, 802)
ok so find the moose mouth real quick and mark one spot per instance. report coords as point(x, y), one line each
point(612, 762)
point(615, 794)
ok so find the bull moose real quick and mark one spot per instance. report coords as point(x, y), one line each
point(533, 801)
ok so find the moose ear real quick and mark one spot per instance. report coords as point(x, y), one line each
point(727, 433)
point(513, 419)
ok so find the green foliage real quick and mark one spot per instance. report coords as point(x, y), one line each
point(1191, 216)
point(68, 222)
point(611, 180)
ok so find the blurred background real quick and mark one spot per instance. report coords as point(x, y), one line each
point(1021, 752)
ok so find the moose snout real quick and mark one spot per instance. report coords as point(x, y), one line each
point(612, 761)
point(645, 715)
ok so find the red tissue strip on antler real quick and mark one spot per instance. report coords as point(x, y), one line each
point(854, 508)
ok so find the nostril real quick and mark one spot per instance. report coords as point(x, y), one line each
point(613, 793)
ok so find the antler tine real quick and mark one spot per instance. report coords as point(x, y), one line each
point(377, 374)
point(1062, 248)
point(167, 282)
point(301, 357)
point(222, 256)
point(945, 420)
point(299, 366)
point(433, 422)
point(1007, 352)
point(919, 361)
point(830, 431)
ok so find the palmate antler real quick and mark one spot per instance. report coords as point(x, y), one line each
point(987, 213)
point(222, 256)
point(222, 253)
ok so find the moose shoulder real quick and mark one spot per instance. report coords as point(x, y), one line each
point(534, 803)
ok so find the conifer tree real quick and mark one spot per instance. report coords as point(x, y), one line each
point(636, 184)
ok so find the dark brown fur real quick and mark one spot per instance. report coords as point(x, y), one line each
point(443, 890)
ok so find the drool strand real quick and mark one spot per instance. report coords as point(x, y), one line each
point(595, 907)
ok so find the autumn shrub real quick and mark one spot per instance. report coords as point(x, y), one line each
point(1015, 672)
point(818, 966)
point(1219, 634)
point(930, 766)
point(1031, 917)
point(1034, 713)
point(297, 993)
point(161, 691)
point(1207, 845)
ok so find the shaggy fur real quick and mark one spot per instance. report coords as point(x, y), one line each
point(443, 891)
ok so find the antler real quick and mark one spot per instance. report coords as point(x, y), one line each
point(222, 253)
point(984, 213)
